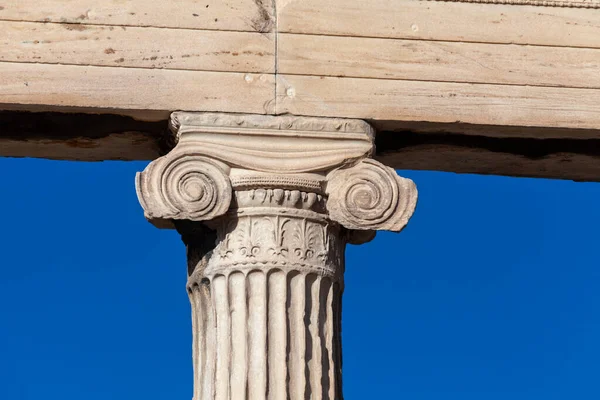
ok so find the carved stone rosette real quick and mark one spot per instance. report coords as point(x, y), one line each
point(266, 206)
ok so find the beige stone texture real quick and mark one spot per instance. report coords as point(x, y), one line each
point(266, 206)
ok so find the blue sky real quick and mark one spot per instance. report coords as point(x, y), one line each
point(490, 293)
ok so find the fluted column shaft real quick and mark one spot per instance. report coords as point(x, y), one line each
point(266, 205)
point(266, 301)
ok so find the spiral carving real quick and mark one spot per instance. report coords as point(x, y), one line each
point(370, 196)
point(184, 186)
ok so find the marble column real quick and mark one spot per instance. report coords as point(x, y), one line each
point(266, 206)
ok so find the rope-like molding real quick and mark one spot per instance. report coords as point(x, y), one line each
point(276, 181)
point(594, 4)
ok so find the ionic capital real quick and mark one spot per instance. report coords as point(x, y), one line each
point(288, 159)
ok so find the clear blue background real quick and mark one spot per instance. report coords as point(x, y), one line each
point(490, 293)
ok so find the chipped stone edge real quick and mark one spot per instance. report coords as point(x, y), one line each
point(275, 122)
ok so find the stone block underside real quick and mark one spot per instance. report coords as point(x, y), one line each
point(526, 152)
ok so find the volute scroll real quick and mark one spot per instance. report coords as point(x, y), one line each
point(183, 186)
point(370, 196)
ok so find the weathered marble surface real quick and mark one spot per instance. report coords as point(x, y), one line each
point(266, 206)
